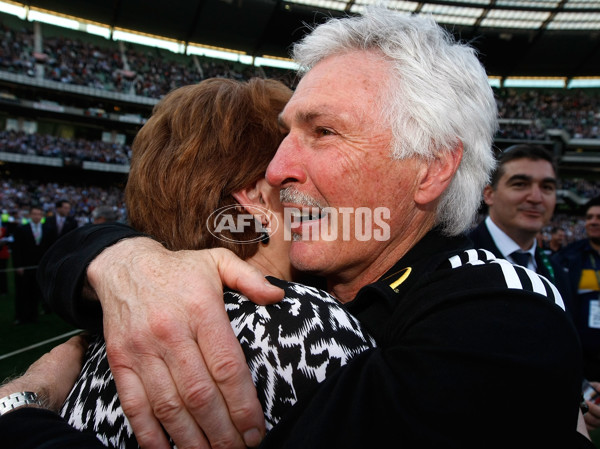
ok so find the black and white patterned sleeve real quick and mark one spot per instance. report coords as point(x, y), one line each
point(293, 345)
point(511, 276)
point(290, 348)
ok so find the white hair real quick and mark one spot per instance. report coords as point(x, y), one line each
point(437, 96)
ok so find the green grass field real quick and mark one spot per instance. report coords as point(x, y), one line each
point(23, 344)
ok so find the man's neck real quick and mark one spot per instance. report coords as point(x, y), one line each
point(521, 237)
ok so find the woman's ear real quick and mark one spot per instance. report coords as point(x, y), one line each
point(248, 196)
point(259, 194)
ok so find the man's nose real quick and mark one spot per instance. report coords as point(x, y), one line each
point(535, 194)
point(287, 165)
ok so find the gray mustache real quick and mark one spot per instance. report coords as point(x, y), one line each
point(291, 195)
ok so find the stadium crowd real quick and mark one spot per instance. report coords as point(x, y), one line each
point(18, 195)
point(127, 69)
point(73, 150)
point(576, 111)
point(121, 67)
point(150, 72)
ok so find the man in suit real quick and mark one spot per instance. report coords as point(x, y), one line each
point(521, 197)
point(61, 222)
point(31, 241)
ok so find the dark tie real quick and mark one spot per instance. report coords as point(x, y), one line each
point(521, 258)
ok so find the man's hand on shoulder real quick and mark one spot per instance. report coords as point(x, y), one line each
point(170, 345)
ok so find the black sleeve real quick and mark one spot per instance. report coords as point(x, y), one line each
point(17, 248)
point(465, 376)
point(35, 428)
point(62, 270)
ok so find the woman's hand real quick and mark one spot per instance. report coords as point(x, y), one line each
point(592, 417)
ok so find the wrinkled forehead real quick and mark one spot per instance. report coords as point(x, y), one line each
point(353, 82)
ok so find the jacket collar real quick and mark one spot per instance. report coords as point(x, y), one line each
point(376, 302)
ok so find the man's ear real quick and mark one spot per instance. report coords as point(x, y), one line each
point(437, 174)
point(488, 195)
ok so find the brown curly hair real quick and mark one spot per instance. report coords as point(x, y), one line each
point(202, 143)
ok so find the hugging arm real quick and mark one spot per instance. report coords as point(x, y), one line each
point(62, 272)
point(169, 341)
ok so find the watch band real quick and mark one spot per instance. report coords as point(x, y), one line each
point(16, 400)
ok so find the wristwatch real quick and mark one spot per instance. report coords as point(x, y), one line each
point(16, 400)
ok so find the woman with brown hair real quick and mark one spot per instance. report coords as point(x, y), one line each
point(197, 181)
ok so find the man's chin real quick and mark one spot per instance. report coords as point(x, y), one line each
point(533, 225)
point(305, 255)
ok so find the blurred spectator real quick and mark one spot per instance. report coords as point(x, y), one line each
point(103, 214)
point(61, 222)
point(557, 240)
point(4, 256)
point(581, 260)
point(31, 241)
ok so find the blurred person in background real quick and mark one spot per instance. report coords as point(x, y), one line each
point(5, 240)
point(558, 238)
point(581, 261)
point(61, 221)
point(31, 240)
point(104, 214)
point(521, 198)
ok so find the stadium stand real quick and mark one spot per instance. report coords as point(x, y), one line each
point(72, 103)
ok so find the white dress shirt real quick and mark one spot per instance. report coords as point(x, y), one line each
point(506, 245)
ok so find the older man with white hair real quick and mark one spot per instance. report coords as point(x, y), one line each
point(391, 114)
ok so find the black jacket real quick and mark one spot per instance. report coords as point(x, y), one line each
point(470, 351)
point(460, 358)
point(25, 251)
point(69, 224)
point(572, 258)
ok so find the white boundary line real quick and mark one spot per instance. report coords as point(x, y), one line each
point(41, 343)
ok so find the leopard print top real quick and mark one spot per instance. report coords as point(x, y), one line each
point(290, 347)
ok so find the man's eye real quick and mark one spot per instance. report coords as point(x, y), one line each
point(324, 132)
